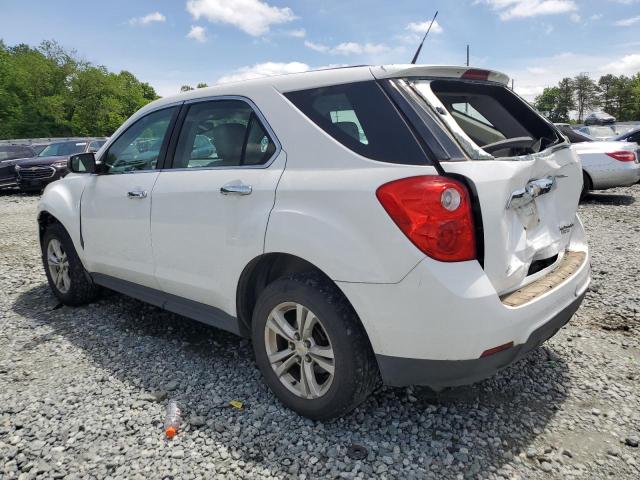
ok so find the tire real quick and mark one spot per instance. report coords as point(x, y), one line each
point(336, 326)
point(586, 185)
point(76, 287)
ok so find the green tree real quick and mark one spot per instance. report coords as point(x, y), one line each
point(586, 94)
point(186, 88)
point(622, 99)
point(547, 103)
point(47, 91)
point(607, 85)
point(202, 85)
point(566, 102)
point(635, 97)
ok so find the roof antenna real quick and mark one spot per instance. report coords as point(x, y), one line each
point(415, 57)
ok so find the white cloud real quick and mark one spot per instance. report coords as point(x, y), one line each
point(254, 17)
point(318, 47)
point(264, 70)
point(147, 19)
point(348, 48)
point(354, 48)
point(627, 22)
point(575, 18)
point(595, 17)
point(197, 33)
point(298, 33)
point(510, 9)
point(627, 65)
point(420, 28)
point(538, 73)
point(267, 69)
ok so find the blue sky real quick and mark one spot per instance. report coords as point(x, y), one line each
point(169, 43)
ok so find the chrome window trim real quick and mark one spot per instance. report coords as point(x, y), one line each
point(263, 121)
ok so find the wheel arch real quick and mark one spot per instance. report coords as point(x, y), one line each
point(44, 220)
point(263, 270)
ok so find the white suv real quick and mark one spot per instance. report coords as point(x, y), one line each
point(413, 224)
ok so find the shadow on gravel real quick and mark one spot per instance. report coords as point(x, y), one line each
point(609, 199)
point(478, 428)
point(6, 192)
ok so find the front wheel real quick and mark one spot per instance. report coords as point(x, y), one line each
point(65, 272)
point(311, 348)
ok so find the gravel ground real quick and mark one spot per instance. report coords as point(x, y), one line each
point(83, 390)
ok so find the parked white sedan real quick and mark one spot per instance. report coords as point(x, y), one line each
point(604, 164)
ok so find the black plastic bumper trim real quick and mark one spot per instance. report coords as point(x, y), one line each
point(439, 374)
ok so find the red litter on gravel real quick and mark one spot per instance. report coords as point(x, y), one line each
point(172, 420)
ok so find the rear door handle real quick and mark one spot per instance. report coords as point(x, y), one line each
point(236, 189)
point(137, 194)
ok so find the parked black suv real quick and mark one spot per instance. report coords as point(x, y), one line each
point(51, 163)
point(9, 155)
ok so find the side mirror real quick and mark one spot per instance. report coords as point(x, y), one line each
point(82, 163)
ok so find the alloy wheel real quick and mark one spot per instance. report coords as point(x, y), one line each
point(299, 350)
point(58, 266)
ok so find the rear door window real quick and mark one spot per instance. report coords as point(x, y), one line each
point(222, 133)
point(362, 118)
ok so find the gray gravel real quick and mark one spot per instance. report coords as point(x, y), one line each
point(83, 390)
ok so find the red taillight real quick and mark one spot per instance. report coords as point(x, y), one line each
point(434, 213)
point(498, 349)
point(623, 156)
point(475, 74)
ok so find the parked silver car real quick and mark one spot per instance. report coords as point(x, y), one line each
point(604, 164)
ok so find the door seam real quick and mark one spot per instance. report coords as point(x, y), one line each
point(275, 198)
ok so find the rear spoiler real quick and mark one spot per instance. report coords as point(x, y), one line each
point(441, 71)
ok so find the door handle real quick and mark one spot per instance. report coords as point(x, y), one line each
point(137, 194)
point(236, 189)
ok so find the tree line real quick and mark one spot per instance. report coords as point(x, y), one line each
point(617, 95)
point(48, 91)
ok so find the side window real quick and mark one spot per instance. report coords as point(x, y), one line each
point(259, 147)
point(95, 145)
point(634, 138)
point(361, 117)
point(222, 133)
point(138, 148)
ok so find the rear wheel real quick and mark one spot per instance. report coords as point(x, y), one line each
point(65, 272)
point(586, 185)
point(311, 348)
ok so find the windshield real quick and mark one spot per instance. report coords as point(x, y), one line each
point(600, 132)
point(63, 149)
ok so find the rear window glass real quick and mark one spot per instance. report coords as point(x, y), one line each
point(361, 117)
point(493, 117)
